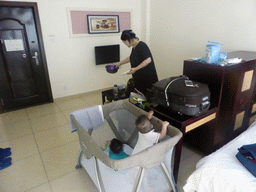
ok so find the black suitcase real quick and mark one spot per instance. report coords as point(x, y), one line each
point(182, 95)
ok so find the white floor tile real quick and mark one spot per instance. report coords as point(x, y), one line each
point(47, 122)
point(187, 167)
point(13, 116)
point(75, 181)
point(93, 99)
point(180, 186)
point(188, 151)
point(71, 103)
point(21, 147)
point(61, 160)
point(41, 110)
point(23, 175)
point(42, 188)
point(14, 130)
point(56, 137)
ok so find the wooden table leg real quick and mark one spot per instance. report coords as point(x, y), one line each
point(103, 99)
point(1, 108)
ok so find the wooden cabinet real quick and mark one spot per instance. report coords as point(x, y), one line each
point(184, 123)
point(253, 112)
point(232, 91)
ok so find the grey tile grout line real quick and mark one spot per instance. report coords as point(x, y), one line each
point(39, 154)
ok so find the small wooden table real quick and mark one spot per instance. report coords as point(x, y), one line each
point(110, 96)
point(1, 108)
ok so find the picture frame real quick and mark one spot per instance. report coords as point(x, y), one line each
point(98, 24)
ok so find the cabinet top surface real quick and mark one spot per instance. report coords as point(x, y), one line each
point(245, 55)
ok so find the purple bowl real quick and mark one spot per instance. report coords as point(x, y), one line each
point(111, 69)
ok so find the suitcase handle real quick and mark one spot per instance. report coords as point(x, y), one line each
point(167, 86)
point(205, 105)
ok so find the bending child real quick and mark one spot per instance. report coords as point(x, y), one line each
point(147, 135)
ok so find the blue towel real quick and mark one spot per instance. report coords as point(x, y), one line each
point(5, 152)
point(245, 154)
point(6, 162)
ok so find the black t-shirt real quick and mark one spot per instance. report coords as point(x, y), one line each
point(144, 77)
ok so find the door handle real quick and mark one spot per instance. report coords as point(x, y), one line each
point(36, 58)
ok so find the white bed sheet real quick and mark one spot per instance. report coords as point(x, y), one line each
point(221, 171)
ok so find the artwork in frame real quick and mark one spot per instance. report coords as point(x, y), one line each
point(103, 24)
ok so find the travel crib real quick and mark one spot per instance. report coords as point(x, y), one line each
point(97, 124)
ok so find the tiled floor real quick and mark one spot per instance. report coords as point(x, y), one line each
point(44, 151)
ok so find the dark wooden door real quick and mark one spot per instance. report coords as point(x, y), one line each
point(24, 76)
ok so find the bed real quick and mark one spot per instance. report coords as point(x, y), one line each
point(222, 171)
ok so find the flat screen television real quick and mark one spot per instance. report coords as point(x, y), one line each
point(107, 54)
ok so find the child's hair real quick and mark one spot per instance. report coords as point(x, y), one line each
point(116, 146)
point(128, 35)
point(143, 124)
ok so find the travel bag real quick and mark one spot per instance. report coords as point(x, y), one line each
point(247, 156)
point(182, 95)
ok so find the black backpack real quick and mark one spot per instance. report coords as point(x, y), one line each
point(129, 87)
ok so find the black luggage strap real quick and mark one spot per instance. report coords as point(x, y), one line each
point(168, 85)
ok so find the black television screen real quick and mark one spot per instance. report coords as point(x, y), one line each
point(107, 54)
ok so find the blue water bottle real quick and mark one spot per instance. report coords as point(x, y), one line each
point(115, 92)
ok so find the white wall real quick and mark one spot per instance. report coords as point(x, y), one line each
point(181, 29)
point(70, 61)
point(145, 21)
point(178, 30)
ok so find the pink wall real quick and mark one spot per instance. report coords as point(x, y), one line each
point(79, 20)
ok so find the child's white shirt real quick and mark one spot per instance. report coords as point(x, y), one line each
point(146, 140)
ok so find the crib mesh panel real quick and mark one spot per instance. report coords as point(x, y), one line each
point(102, 134)
point(124, 122)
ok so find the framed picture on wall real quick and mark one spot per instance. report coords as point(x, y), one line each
point(98, 24)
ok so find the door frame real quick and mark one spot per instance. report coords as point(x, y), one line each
point(34, 7)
